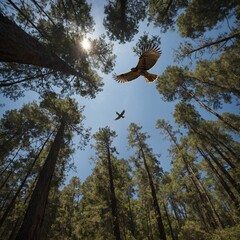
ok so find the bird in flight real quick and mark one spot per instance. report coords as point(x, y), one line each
point(120, 115)
point(147, 60)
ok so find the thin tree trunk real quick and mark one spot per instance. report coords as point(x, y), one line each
point(225, 158)
point(41, 9)
point(18, 221)
point(7, 83)
point(149, 224)
point(10, 162)
point(199, 186)
point(234, 35)
point(225, 172)
point(6, 179)
point(223, 144)
point(154, 198)
point(206, 199)
point(221, 179)
point(116, 228)
point(199, 211)
point(12, 202)
point(132, 225)
point(169, 222)
point(31, 226)
point(212, 137)
point(202, 104)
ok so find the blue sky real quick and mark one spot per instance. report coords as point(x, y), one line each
point(141, 100)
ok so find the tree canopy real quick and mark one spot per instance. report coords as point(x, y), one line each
point(128, 194)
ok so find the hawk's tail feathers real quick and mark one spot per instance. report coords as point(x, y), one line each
point(149, 77)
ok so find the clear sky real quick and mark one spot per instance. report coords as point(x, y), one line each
point(141, 100)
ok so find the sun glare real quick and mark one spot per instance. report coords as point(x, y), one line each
point(86, 44)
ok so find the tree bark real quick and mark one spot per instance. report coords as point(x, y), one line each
point(116, 228)
point(169, 222)
point(221, 179)
point(211, 138)
point(225, 172)
point(202, 104)
point(225, 158)
point(19, 47)
point(154, 198)
point(31, 226)
point(12, 202)
point(199, 187)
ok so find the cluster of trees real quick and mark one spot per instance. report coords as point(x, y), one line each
point(123, 198)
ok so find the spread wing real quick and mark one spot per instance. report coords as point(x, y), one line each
point(148, 57)
point(126, 77)
point(122, 112)
point(118, 117)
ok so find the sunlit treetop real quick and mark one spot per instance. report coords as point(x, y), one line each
point(58, 26)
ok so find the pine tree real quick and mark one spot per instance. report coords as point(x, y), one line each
point(137, 139)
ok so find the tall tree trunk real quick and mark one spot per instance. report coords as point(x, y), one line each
point(31, 226)
point(212, 139)
point(221, 179)
point(149, 223)
point(154, 198)
point(12, 202)
point(225, 158)
point(199, 186)
point(19, 47)
point(169, 222)
point(199, 211)
point(202, 104)
point(132, 221)
point(19, 219)
point(218, 140)
point(116, 228)
point(9, 163)
point(225, 172)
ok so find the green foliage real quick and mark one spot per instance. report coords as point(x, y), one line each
point(59, 27)
point(199, 197)
point(26, 137)
point(202, 15)
point(122, 18)
point(163, 14)
point(232, 233)
point(214, 82)
point(192, 231)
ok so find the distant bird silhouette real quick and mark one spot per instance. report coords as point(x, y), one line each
point(120, 115)
point(147, 60)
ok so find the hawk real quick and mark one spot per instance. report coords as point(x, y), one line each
point(120, 115)
point(147, 60)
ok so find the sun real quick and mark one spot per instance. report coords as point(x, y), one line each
point(86, 44)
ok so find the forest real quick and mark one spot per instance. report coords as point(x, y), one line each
point(123, 198)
